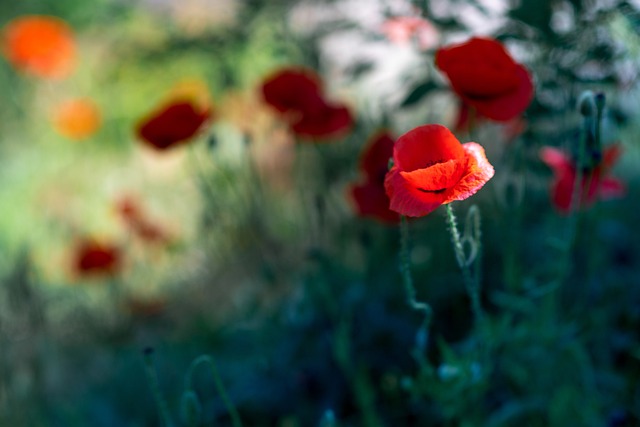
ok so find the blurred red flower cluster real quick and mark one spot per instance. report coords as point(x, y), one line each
point(297, 95)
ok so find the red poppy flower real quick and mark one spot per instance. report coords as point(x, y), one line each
point(596, 184)
point(293, 89)
point(93, 258)
point(42, 46)
point(326, 121)
point(485, 76)
point(296, 93)
point(173, 124)
point(432, 168)
point(370, 196)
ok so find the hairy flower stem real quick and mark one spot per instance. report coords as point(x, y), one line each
point(208, 360)
point(422, 337)
point(471, 280)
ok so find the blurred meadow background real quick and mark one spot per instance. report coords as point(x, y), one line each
point(181, 245)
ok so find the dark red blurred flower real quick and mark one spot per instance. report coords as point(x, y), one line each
point(596, 184)
point(173, 124)
point(94, 258)
point(485, 77)
point(431, 168)
point(42, 46)
point(370, 197)
point(296, 94)
point(292, 89)
point(323, 122)
point(136, 219)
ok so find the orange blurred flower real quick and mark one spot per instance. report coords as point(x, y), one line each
point(42, 46)
point(77, 118)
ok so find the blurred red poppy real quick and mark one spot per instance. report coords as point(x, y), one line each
point(596, 184)
point(293, 89)
point(94, 258)
point(296, 94)
point(431, 168)
point(137, 221)
point(326, 121)
point(42, 46)
point(370, 197)
point(173, 124)
point(77, 118)
point(485, 77)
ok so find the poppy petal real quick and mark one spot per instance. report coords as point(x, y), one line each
point(556, 159)
point(175, 123)
point(372, 201)
point(478, 171)
point(437, 178)
point(406, 199)
point(330, 121)
point(375, 158)
point(425, 146)
point(508, 105)
point(611, 188)
point(292, 89)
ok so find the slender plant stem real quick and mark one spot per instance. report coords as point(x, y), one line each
point(471, 281)
point(152, 376)
point(422, 337)
point(208, 360)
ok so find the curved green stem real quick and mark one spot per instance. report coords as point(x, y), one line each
point(422, 337)
point(471, 281)
point(208, 360)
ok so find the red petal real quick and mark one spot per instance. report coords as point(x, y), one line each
point(406, 199)
point(425, 146)
point(330, 121)
point(375, 158)
point(478, 171)
point(611, 155)
point(174, 123)
point(292, 89)
point(556, 159)
point(507, 105)
point(611, 188)
point(372, 201)
point(437, 178)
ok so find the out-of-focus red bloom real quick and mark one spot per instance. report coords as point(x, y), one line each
point(402, 29)
point(94, 258)
point(485, 77)
point(77, 118)
point(42, 46)
point(596, 182)
point(370, 197)
point(296, 94)
point(431, 168)
point(137, 221)
point(326, 121)
point(173, 124)
point(293, 89)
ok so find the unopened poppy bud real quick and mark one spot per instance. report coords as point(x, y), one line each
point(586, 104)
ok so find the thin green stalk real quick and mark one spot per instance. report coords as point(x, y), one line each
point(422, 337)
point(471, 280)
point(152, 377)
point(208, 360)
